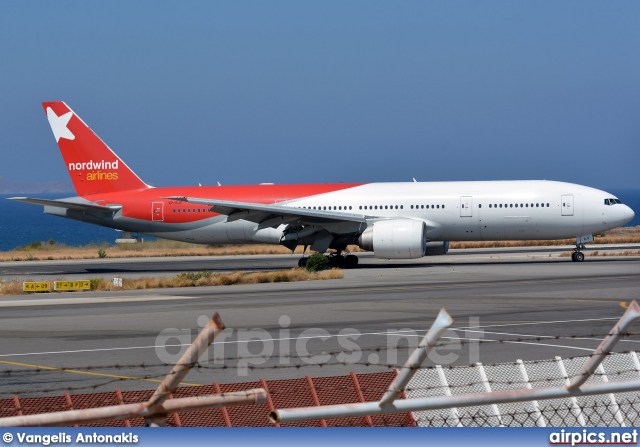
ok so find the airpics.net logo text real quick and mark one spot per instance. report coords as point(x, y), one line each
point(97, 169)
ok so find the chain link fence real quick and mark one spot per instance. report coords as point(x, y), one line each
point(608, 410)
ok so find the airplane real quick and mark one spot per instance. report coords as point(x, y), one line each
point(404, 220)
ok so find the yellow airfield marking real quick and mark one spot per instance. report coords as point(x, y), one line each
point(624, 304)
point(89, 373)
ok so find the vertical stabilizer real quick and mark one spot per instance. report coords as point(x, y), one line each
point(93, 167)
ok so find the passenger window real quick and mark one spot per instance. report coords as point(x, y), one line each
point(547, 205)
point(401, 207)
point(501, 205)
point(432, 206)
point(489, 205)
point(516, 205)
point(438, 206)
point(511, 206)
point(480, 206)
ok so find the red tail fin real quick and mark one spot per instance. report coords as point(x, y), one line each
point(93, 167)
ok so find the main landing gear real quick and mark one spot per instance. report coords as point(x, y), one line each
point(336, 260)
point(577, 255)
point(346, 261)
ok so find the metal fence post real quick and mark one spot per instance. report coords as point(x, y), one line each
point(447, 392)
point(577, 411)
point(487, 388)
point(636, 362)
point(186, 362)
point(440, 325)
point(606, 345)
point(612, 398)
point(540, 422)
point(314, 396)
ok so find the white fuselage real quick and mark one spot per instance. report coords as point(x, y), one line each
point(458, 211)
point(496, 210)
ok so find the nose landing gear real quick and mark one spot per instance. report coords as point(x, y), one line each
point(577, 255)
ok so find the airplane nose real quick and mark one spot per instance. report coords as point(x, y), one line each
point(628, 214)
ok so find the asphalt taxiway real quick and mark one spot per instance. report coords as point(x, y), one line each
point(508, 304)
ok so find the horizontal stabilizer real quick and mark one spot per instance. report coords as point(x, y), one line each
point(92, 207)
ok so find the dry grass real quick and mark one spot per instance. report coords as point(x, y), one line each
point(197, 279)
point(162, 248)
point(626, 235)
point(138, 250)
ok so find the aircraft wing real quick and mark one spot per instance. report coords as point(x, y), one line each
point(272, 215)
point(89, 207)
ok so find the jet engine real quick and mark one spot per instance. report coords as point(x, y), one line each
point(395, 239)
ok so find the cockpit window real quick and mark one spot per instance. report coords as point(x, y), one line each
point(606, 201)
point(612, 201)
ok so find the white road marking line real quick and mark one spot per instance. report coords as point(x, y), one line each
point(535, 344)
point(396, 334)
point(539, 336)
point(542, 322)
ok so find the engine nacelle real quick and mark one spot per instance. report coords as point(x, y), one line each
point(435, 248)
point(395, 239)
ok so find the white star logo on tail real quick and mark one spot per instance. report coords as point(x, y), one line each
point(59, 124)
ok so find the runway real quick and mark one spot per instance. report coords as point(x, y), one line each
point(508, 305)
point(169, 266)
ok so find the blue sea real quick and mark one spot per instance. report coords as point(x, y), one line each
point(23, 223)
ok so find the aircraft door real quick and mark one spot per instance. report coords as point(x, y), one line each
point(157, 211)
point(466, 206)
point(567, 205)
